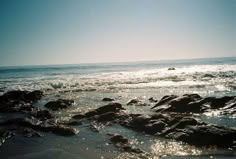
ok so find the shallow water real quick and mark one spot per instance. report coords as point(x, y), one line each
point(87, 85)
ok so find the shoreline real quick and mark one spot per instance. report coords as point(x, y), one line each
point(173, 118)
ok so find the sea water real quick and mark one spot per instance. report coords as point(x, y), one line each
point(88, 84)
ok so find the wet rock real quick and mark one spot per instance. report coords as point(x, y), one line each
point(28, 132)
point(25, 96)
point(64, 130)
point(165, 100)
point(117, 138)
point(108, 116)
point(44, 126)
point(112, 107)
point(205, 135)
point(217, 103)
point(182, 127)
point(59, 104)
point(19, 101)
point(171, 68)
point(155, 127)
point(123, 143)
point(193, 103)
point(108, 99)
point(133, 101)
point(78, 116)
point(5, 135)
point(94, 127)
point(74, 123)
point(152, 100)
point(180, 104)
point(43, 115)
point(136, 102)
point(137, 121)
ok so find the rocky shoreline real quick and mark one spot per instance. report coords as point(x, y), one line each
point(172, 118)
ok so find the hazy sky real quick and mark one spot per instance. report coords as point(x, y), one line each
point(36, 32)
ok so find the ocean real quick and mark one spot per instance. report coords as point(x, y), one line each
point(88, 84)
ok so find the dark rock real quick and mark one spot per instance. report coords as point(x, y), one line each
point(165, 100)
point(217, 103)
point(133, 101)
point(28, 132)
point(59, 104)
point(45, 126)
point(193, 103)
point(152, 100)
point(19, 101)
point(4, 135)
point(183, 104)
point(136, 102)
point(123, 143)
point(108, 116)
point(129, 148)
point(34, 96)
point(155, 127)
point(117, 138)
point(138, 121)
point(107, 99)
point(112, 107)
point(171, 68)
point(43, 114)
point(94, 127)
point(25, 96)
point(205, 135)
point(180, 104)
point(64, 130)
point(78, 116)
point(74, 123)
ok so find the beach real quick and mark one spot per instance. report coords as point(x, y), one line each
point(80, 126)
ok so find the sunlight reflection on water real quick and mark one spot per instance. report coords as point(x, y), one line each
point(173, 148)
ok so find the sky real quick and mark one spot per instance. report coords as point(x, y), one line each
point(39, 32)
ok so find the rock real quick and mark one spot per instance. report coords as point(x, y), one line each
point(64, 130)
point(171, 68)
point(205, 135)
point(133, 101)
point(155, 127)
point(193, 103)
point(117, 138)
point(94, 127)
point(25, 96)
point(107, 99)
point(180, 104)
point(137, 121)
point(123, 143)
point(74, 123)
point(43, 115)
point(34, 96)
point(44, 126)
point(28, 132)
point(59, 104)
point(108, 116)
point(19, 101)
point(165, 100)
point(78, 116)
point(112, 107)
point(136, 102)
point(182, 127)
point(217, 103)
point(183, 104)
point(152, 100)
point(5, 135)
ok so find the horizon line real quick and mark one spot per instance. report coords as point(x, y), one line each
point(117, 62)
